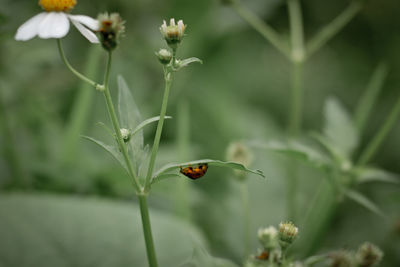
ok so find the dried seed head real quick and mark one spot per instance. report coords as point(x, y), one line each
point(111, 27)
point(368, 255)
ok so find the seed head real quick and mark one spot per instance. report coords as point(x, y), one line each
point(111, 27)
point(368, 255)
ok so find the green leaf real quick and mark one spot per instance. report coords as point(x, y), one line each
point(185, 62)
point(63, 231)
point(364, 201)
point(201, 258)
point(174, 166)
point(339, 127)
point(368, 174)
point(146, 122)
point(368, 99)
point(113, 150)
point(130, 118)
point(299, 151)
point(108, 130)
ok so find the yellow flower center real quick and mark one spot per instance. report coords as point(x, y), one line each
point(57, 5)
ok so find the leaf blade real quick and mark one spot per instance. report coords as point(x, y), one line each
point(364, 201)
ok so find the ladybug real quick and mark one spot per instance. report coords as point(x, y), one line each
point(263, 256)
point(194, 172)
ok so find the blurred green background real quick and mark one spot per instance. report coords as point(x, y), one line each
point(77, 207)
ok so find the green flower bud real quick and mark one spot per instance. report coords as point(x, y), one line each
point(164, 56)
point(111, 27)
point(368, 255)
point(173, 33)
point(287, 234)
point(268, 237)
point(126, 134)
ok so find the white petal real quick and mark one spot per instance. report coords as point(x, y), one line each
point(54, 25)
point(29, 29)
point(172, 22)
point(86, 32)
point(89, 22)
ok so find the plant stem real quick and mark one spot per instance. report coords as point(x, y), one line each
point(260, 26)
point(330, 30)
point(295, 115)
point(77, 73)
point(148, 236)
point(380, 136)
point(115, 123)
point(168, 82)
point(183, 140)
point(246, 218)
point(81, 108)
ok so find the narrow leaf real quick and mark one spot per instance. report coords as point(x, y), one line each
point(110, 149)
point(367, 174)
point(185, 62)
point(364, 201)
point(146, 122)
point(339, 127)
point(368, 99)
point(299, 151)
point(105, 127)
point(130, 118)
point(233, 165)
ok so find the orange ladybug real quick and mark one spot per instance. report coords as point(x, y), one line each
point(263, 256)
point(195, 172)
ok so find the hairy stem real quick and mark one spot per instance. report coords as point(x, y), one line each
point(148, 236)
point(156, 143)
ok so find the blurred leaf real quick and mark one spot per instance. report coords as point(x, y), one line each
point(339, 127)
point(108, 130)
point(368, 174)
point(130, 118)
point(298, 151)
point(370, 96)
point(113, 150)
point(364, 201)
point(233, 165)
point(146, 122)
point(185, 62)
point(201, 258)
point(39, 230)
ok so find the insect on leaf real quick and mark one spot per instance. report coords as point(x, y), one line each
point(173, 166)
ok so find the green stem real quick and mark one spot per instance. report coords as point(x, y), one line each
point(77, 73)
point(183, 140)
point(168, 82)
point(296, 100)
point(246, 218)
point(261, 27)
point(148, 236)
point(115, 123)
point(296, 30)
point(380, 136)
point(81, 108)
point(330, 30)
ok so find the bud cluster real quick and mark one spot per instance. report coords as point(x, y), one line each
point(111, 27)
point(287, 234)
point(126, 134)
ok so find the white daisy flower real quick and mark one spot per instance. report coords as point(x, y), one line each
point(54, 23)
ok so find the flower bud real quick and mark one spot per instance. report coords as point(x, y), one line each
point(173, 33)
point(368, 255)
point(341, 258)
point(268, 237)
point(164, 56)
point(111, 27)
point(126, 134)
point(287, 234)
point(238, 152)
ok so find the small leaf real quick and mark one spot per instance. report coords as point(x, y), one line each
point(185, 62)
point(146, 122)
point(339, 127)
point(367, 174)
point(108, 130)
point(110, 149)
point(233, 165)
point(364, 201)
point(298, 151)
